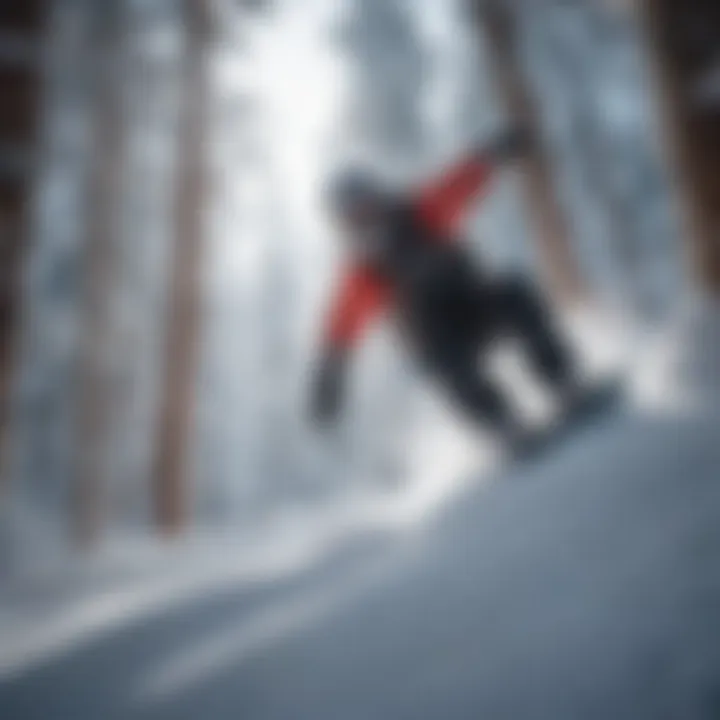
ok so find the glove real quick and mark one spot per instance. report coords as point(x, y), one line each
point(514, 143)
point(329, 389)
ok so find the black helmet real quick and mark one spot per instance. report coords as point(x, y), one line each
point(353, 189)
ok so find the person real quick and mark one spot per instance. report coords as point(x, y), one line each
point(405, 257)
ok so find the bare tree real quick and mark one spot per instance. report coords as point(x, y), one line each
point(558, 262)
point(99, 262)
point(171, 472)
point(683, 41)
point(574, 64)
point(22, 25)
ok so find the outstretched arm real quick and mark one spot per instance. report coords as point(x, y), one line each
point(360, 298)
point(442, 204)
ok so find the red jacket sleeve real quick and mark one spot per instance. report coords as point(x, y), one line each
point(442, 204)
point(360, 298)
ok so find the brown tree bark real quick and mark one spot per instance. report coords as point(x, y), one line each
point(172, 474)
point(683, 39)
point(558, 264)
point(22, 26)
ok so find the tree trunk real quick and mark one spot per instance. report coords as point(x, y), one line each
point(558, 264)
point(172, 475)
point(22, 25)
point(99, 262)
point(684, 43)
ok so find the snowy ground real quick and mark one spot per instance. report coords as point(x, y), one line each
point(585, 586)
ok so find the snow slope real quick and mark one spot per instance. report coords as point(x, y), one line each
point(586, 586)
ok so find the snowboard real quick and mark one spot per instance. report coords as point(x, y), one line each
point(598, 405)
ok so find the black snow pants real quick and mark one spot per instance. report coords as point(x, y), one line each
point(455, 317)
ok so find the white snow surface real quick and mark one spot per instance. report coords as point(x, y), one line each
point(586, 585)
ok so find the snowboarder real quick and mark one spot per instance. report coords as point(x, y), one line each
point(404, 255)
